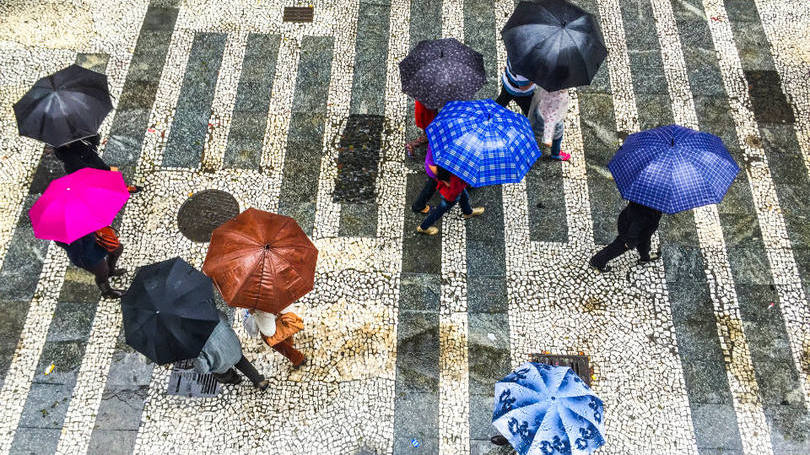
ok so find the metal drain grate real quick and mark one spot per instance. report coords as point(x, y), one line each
point(298, 14)
point(184, 381)
point(578, 363)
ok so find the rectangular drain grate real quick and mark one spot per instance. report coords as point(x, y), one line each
point(298, 14)
point(578, 363)
point(184, 381)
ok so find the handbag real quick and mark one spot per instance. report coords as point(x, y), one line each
point(287, 325)
point(107, 238)
point(249, 324)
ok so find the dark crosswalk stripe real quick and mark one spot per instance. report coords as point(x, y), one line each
point(193, 112)
point(764, 328)
point(706, 383)
point(302, 162)
point(416, 405)
point(360, 145)
point(249, 122)
point(23, 264)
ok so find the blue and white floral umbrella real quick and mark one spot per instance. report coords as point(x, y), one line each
point(545, 410)
point(482, 143)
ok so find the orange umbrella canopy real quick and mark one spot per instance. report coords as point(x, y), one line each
point(261, 260)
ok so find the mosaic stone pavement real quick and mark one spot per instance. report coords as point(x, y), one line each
point(705, 352)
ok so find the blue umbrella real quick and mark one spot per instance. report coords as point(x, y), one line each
point(482, 143)
point(672, 168)
point(545, 410)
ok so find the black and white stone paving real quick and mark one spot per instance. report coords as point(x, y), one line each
point(705, 352)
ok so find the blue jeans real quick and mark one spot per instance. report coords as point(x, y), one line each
point(444, 206)
point(559, 128)
point(427, 192)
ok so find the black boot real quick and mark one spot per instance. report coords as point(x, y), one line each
point(108, 292)
point(498, 440)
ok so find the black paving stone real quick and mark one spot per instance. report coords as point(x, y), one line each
point(486, 294)
point(35, 440)
point(72, 320)
point(679, 229)
point(359, 153)
point(128, 122)
point(689, 300)
point(749, 264)
point(193, 111)
point(778, 385)
point(314, 70)
point(657, 110)
point(46, 406)
point(143, 64)
point(702, 377)
point(790, 434)
point(66, 357)
point(11, 324)
point(481, 407)
point(159, 18)
point(49, 169)
point(480, 34)
point(703, 79)
point(371, 56)
point(358, 219)
point(141, 95)
point(683, 263)
point(752, 46)
point(489, 360)
point(741, 10)
point(697, 340)
point(23, 262)
point(784, 155)
point(767, 98)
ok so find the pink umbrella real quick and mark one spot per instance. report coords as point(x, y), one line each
point(78, 204)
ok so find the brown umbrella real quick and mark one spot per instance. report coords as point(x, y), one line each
point(261, 260)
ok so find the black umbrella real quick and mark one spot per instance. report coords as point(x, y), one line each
point(554, 43)
point(169, 311)
point(442, 70)
point(65, 106)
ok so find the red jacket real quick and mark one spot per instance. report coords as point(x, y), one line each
point(452, 192)
point(422, 115)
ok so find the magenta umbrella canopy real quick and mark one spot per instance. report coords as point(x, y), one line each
point(78, 204)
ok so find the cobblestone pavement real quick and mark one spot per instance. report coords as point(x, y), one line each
point(705, 352)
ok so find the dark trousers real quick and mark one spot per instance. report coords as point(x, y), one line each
point(427, 192)
point(523, 101)
point(444, 206)
point(243, 365)
point(619, 247)
point(104, 268)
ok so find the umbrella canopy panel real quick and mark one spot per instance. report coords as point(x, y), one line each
point(261, 260)
point(169, 311)
point(482, 142)
point(554, 43)
point(64, 107)
point(672, 168)
point(438, 71)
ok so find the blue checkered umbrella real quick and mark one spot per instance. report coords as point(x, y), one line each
point(543, 410)
point(672, 168)
point(482, 143)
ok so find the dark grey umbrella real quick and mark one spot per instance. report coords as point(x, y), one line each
point(554, 43)
point(442, 70)
point(63, 107)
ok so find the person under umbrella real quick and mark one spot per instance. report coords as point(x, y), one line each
point(263, 261)
point(548, 110)
point(667, 169)
point(278, 331)
point(169, 315)
point(452, 190)
point(76, 211)
point(83, 153)
point(553, 43)
point(515, 87)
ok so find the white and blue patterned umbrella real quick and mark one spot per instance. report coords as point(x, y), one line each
point(482, 143)
point(672, 168)
point(545, 410)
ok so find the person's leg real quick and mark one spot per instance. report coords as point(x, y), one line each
point(611, 251)
point(228, 377)
point(420, 204)
point(643, 249)
point(102, 273)
point(287, 349)
point(436, 213)
point(112, 260)
point(249, 371)
point(525, 102)
point(504, 97)
point(466, 209)
point(556, 143)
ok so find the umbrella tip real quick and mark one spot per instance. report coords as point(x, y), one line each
point(672, 142)
point(266, 246)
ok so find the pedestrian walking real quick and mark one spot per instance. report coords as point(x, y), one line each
point(98, 253)
point(278, 331)
point(420, 205)
point(83, 153)
point(515, 87)
point(637, 224)
point(548, 111)
point(422, 117)
point(452, 190)
point(222, 353)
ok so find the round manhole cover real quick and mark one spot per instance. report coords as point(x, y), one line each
point(205, 211)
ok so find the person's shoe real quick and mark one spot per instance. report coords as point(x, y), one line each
point(476, 212)
point(562, 156)
point(499, 440)
point(653, 257)
point(303, 362)
point(118, 272)
point(109, 293)
point(604, 269)
point(134, 189)
point(433, 230)
point(262, 385)
point(426, 209)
